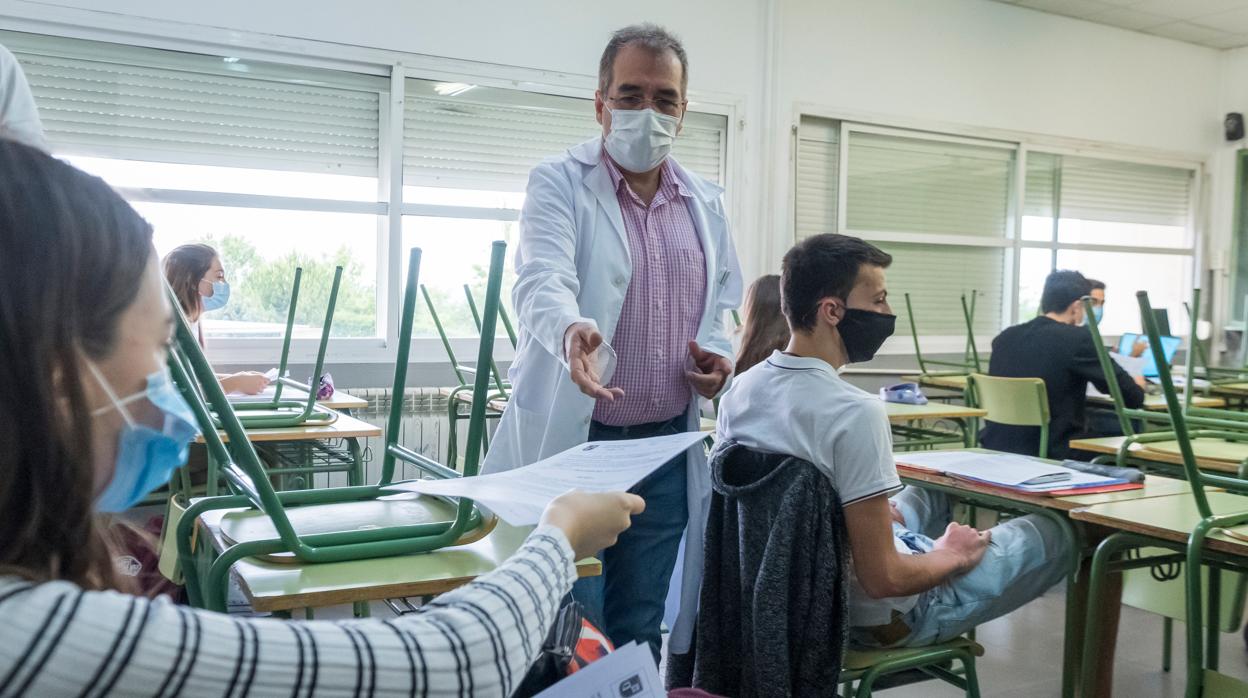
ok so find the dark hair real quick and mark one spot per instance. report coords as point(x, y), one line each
point(74, 255)
point(765, 329)
point(1096, 285)
point(649, 36)
point(1061, 289)
point(184, 268)
point(819, 267)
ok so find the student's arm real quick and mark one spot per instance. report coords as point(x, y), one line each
point(1088, 365)
point(859, 449)
point(476, 641)
point(884, 572)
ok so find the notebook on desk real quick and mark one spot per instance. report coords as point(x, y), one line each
point(1007, 470)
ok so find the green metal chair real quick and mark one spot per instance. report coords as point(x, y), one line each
point(313, 526)
point(1215, 427)
point(970, 358)
point(462, 395)
point(278, 413)
point(502, 317)
point(1021, 402)
point(865, 667)
point(1203, 678)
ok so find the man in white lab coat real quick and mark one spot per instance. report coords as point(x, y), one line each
point(624, 270)
point(19, 120)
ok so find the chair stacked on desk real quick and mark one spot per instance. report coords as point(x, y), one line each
point(1219, 435)
point(460, 398)
point(315, 526)
point(954, 372)
point(1183, 532)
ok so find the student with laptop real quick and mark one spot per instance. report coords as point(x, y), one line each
point(916, 577)
point(1097, 294)
point(1054, 347)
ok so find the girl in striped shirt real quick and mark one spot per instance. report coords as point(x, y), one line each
point(88, 422)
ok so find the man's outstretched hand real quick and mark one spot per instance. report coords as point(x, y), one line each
point(581, 342)
point(712, 371)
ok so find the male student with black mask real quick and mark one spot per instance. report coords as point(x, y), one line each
point(1055, 347)
point(916, 576)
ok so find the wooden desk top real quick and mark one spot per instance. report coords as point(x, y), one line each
point(343, 427)
point(1211, 454)
point(938, 380)
point(1170, 518)
point(1157, 403)
point(1231, 389)
point(899, 413)
point(273, 586)
point(1154, 486)
point(338, 401)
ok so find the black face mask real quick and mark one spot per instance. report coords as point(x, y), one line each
point(864, 332)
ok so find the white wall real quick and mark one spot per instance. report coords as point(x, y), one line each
point(973, 63)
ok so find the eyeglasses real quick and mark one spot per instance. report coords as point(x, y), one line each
point(662, 105)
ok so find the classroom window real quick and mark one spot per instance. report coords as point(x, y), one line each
point(949, 211)
point(1124, 223)
point(281, 165)
point(940, 206)
point(274, 166)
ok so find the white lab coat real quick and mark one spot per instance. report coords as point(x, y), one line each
point(573, 265)
point(19, 119)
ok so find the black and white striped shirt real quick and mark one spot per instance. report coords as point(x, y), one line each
point(475, 641)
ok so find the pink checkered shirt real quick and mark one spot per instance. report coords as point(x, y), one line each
point(663, 306)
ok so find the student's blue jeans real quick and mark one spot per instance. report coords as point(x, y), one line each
point(1026, 557)
point(628, 599)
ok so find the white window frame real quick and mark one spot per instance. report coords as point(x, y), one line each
point(1022, 143)
point(397, 66)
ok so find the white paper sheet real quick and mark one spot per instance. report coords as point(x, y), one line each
point(519, 496)
point(1005, 469)
point(628, 672)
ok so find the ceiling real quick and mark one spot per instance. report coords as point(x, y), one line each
point(1214, 23)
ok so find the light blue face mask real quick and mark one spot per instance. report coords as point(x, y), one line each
point(146, 457)
point(1099, 313)
point(220, 296)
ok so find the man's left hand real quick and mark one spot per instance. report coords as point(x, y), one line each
point(712, 371)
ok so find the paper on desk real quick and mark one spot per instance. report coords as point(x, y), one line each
point(628, 672)
point(997, 468)
point(518, 496)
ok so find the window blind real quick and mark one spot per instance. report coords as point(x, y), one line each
point(817, 172)
point(486, 137)
point(903, 184)
point(936, 276)
point(1124, 192)
point(166, 106)
point(1041, 182)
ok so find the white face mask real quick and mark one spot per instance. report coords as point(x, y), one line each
point(640, 139)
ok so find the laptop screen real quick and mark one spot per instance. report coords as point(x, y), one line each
point(1169, 346)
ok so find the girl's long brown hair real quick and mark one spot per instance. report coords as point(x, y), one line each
point(765, 328)
point(185, 267)
point(73, 256)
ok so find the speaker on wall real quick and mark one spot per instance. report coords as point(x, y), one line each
point(1234, 125)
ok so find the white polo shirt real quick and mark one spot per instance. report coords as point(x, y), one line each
point(800, 406)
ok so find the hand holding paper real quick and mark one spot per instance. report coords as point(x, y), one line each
point(519, 496)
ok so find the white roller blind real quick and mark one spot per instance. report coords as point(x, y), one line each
point(166, 106)
point(817, 172)
point(917, 185)
point(1124, 192)
point(1042, 179)
point(936, 276)
point(490, 137)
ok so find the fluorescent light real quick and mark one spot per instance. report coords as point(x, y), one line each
point(452, 89)
point(231, 59)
